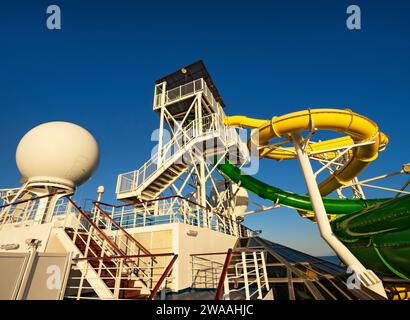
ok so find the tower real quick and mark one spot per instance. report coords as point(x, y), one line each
point(192, 139)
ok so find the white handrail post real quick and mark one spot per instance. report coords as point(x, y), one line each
point(134, 181)
point(265, 272)
point(258, 278)
point(80, 286)
point(118, 279)
point(226, 288)
point(245, 275)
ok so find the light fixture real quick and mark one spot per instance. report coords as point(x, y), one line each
point(10, 246)
point(192, 233)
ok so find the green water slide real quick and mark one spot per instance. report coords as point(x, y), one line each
point(377, 231)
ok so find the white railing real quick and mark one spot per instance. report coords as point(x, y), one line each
point(8, 192)
point(186, 90)
point(208, 94)
point(205, 271)
point(31, 211)
point(7, 195)
point(130, 181)
point(24, 211)
point(169, 153)
point(118, 260)
point(247, 274)
point(173, 210)
point(116, 274)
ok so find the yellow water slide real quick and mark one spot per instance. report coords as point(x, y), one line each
point(359, 130)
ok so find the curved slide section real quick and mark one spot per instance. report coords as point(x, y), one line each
point(376, 231)
point(359, 130)
point(290, 199)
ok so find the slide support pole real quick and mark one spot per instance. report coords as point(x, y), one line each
point(367, 277)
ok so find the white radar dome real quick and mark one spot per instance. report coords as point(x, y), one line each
point(57, 152)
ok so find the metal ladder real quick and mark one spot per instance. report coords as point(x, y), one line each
point(246, 276)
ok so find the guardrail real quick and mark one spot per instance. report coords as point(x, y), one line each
point(170, 152)
point(172, 209)
point(245, 269)
point(250, 271)
point(116, 273)
point(164, 210)
point(186, 90)
point(115, 257)
point(23, 211)
point(7, 193)
point(206, 272)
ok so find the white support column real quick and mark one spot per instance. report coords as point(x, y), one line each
point(161, 125)
point(202, 173)
point(366, 277)
point(41, 209)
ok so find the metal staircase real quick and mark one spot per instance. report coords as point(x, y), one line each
point(246, 277)
point(112, 265)
point(260, 269)
point(206, 136)
point(188, 102)
point(107, 262)
point(164, 180)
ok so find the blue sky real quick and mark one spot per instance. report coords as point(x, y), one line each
point(266, 57)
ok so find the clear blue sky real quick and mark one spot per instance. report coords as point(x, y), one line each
point(266, 57)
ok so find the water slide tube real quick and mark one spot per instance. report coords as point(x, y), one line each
point(377, 231)
point(360, 130)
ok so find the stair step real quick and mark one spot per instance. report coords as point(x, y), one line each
point(163, 181)
point(106, 268)
point(133, 294)
point(180, 166)
point(173, 171)
point(147, 195)
point(154, 188)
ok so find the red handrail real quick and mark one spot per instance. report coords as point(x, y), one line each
point(114, 246)
point(126, 257)
point(139, 245)
point(218, 294)
point(161, 280)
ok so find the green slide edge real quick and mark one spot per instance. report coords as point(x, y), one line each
point(290, 199)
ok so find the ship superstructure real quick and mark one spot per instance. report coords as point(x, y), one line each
point(177, 231)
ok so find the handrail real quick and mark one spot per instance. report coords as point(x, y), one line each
point(114, 246)
point(126, 257)
point(154, 158)
point(139, 245)
point(248, 250)
point(32, 199)
point(142, 202)
point(207, 254)
point(218, 294)
point(163, 276)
